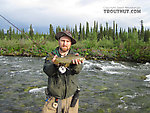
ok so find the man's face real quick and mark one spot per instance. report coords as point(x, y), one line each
point(64, 43)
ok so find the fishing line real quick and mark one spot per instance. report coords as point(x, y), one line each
point(25, 34)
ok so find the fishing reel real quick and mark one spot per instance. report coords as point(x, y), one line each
point(62, 69)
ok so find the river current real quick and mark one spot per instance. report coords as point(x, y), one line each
point(106, 86)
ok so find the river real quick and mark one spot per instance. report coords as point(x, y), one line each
point(106, 86)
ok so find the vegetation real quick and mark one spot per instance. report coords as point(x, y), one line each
point(97, 42)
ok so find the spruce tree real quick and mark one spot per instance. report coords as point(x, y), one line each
point(104, 33)
point(31, 33)
point(13, 34)
point(76, 32)
point(58, 29)
point(142, 31)
point(80, 32)
point(101, 32)
point(146, 35)
point(2, 34)
point(52, 34)
point(7, 35)
point(67, 28)
point(87, 30)
point(114, 30)
point(120, 34)
point(83, 32)
point(10, 33)
point(110, 33)
point(107, 30)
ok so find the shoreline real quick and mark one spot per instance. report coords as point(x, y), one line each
point(89, 54)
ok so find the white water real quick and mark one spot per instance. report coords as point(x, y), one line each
point(38, 90)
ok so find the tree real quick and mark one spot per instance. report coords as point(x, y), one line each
point(146, 35)
point(87, 30)
point(114, 30)
point(80, 32)
point(142, 31)
point(52, 34)
point(31, 33)
point(83, 32)
point(104, 32)
point(101, 32)
point(95, 30)
point(67, 28)
point(95, 26)
point(76, 32)
point(58, 29)
point(120, 34)
point(13, 34)
point(10, 33)
point(110, 33)
point(22, 34)
point(107, 30)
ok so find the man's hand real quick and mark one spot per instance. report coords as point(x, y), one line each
point(77, 61)
point(54, 58)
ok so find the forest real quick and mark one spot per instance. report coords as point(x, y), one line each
point(97, 42)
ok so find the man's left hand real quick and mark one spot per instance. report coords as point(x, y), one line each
point(77, 61)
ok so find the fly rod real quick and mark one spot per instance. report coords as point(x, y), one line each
point(24, 34)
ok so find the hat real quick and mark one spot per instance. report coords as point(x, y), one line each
point(65, 33)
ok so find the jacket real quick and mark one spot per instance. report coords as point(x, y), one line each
point(61, 85)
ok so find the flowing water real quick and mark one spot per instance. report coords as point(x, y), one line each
point(106, 86)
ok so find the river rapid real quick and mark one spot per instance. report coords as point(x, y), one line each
point(106, 86)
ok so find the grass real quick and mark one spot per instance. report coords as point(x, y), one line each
point(104, 49)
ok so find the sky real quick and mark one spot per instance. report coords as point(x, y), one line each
point(42, 13)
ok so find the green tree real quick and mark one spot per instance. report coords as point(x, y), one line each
point(67, 28)
point(52, 34)
point(10, 33)
point(58, 29)
point(22, 35)
point(31, 32)
point(83, 32)
point(114, 30)
point(13, 34)
point(120, 34)
point(76, 32)
point(101, 32)
point(37, 35)
point(95, 26)
point(110, 33)
point(95, 31)
point(146, 35)
point(80, 32)
point(107, 31)
point(87, 30)
point(142, 31)
point(117, 32)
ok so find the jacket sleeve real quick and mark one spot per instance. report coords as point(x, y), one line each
point(75, 69)
point(49, 68)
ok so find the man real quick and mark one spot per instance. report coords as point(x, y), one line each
point(62, 87)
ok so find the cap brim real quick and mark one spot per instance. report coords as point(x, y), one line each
point(61, 34)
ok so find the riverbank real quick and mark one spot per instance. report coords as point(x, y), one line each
point(90, 50)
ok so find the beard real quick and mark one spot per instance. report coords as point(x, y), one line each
point(64, 49)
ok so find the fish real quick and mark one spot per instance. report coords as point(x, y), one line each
point(67, 60)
